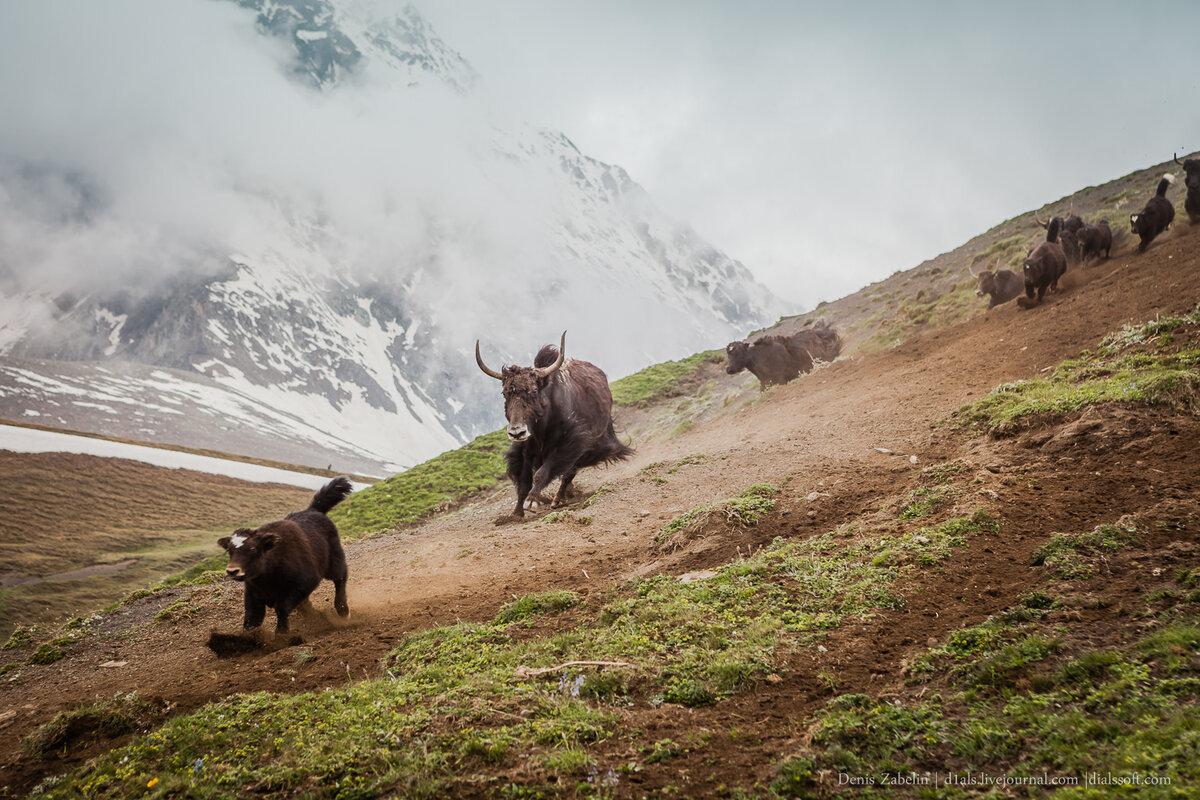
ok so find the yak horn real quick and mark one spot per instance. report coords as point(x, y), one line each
point(546, 372)
point(486, 369)
point(1045, 224)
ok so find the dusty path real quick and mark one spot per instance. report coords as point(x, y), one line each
point(820, 432)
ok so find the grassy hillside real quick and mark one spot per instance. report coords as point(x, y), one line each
point(940, 291)
point(950, 617)
point(563, 695)
point(439, 484)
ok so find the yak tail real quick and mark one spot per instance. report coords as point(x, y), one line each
point(621, 451)
point(1164, 184)
point(330, 495)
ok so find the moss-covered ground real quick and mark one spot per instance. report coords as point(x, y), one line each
point(1157, 363)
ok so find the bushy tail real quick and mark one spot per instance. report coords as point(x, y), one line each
point(621, 451)
point(330, 495)
point(1164, 184)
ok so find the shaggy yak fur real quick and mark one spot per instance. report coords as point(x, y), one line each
point(779, 359)
point(281, 563)
point(559, 421)
point(1156, 217)
point(1046, 264)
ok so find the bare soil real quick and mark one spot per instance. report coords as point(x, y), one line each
point(822, 435)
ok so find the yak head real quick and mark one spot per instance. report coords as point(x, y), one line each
point(1036, 265)
point(248, 551)
point(738, 354)
point(524, 388)
point(987, 284)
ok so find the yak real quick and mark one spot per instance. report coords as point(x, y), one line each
point(282, 562)
point(559, 421)
point(1001, 286)
point(1191, 169)
point(1156, 217)
point(1045, 264)
point(1094, 239)
point(779, 359)
point(1068, 236)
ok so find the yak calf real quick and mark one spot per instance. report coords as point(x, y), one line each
point(282, 562)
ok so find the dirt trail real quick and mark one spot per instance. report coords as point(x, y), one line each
point(820, 432)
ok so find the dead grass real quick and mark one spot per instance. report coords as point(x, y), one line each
point(61, 512)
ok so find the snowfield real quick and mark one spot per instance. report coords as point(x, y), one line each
point(29, 440)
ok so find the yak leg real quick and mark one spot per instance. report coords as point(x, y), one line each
point(523, 480)
point(256, 609)
point(558, 463)
point(560, 499)
point(339, 598)
point(281, 617)
point(338, 573)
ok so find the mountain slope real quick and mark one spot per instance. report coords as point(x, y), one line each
point(350, 301)
point(1048, 571)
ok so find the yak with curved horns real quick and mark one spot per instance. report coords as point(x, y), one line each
point(559, 421)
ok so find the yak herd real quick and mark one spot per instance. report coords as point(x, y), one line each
point(1072, 241)
point(559, 414)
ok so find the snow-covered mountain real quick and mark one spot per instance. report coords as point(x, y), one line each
point(338, 328)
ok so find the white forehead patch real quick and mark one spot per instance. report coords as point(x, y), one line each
point(238, 540)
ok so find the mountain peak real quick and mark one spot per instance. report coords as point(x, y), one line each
point(336, 40)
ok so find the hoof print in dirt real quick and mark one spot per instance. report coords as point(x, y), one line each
point(228, 645)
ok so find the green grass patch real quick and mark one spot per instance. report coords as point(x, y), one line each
point(660, 381)
point(438, 484)
point(1074, 555)
point(924, 501)
point(1126, 368)
point(458, 700)
point(20, 637)
point(543, 603)
point(1121, 713)
point(744, 511)
point(107, 718)
point(47, 653)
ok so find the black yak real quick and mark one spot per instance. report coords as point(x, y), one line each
point(1045, 264)
point(559, 421)
point(1095, 239)
point(1156, 217)
point(281, 563)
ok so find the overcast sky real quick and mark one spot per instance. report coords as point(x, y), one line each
point(826, 145)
